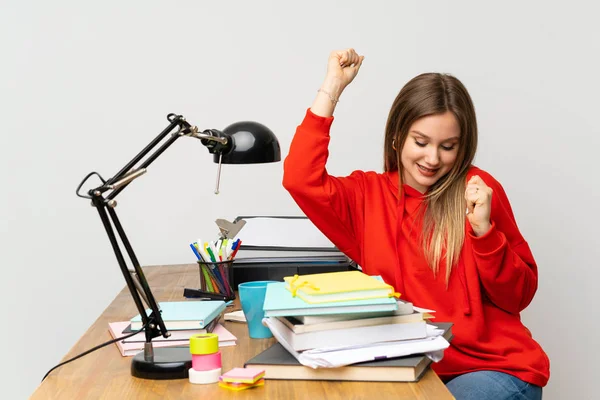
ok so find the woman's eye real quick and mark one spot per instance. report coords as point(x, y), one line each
point(448, 148)
point(420, 144)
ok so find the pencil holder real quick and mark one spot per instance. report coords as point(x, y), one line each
point(217, 277)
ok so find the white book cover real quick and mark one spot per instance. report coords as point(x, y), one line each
point(298, 327)
point(350, 337)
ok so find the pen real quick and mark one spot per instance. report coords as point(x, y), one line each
point(211, 254)
point(224, 246)
point(215, 252)
point(203, 245)
point(207, 279)
point(199, 249)
point(195, 251)
point(225, 279)
point(239, 243)
point(233, 247)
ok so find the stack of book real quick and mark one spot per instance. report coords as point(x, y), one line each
point(183, 319)
point(349, 320)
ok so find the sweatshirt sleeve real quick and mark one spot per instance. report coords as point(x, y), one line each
point(329, 202)
point(504, 261)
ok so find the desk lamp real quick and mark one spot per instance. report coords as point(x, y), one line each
point(240, 143)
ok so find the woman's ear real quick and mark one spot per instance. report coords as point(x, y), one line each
point(394, 144)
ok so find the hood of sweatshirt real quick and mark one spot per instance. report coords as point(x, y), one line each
point(410, 200)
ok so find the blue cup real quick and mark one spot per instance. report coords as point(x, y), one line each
point(252, 298)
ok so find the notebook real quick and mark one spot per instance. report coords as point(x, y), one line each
point(404, 308)
point(279, 303)
point(133, 345)
point(337, 286)
point(356, 336)
point(185, 314)
point(297, 326)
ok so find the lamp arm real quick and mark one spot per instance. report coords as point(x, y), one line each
point(138, 287)
point(153, 321)
point(176, 120)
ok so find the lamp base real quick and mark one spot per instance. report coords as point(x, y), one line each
point(167, 363)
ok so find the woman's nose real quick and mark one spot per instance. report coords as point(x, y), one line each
point(432, 157)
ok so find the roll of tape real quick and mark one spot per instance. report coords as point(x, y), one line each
point(204, 377)
point(204, 343)
point(206, 362)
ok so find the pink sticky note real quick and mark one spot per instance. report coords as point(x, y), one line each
point(243, 375)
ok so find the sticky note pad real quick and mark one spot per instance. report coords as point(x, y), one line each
point(241, 386)
point(243, 375)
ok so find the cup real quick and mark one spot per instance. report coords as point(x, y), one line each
point(217, 277)
point(252, 298)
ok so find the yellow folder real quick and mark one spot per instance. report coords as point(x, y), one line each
point(337, 286)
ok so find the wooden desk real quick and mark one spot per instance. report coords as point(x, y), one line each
point(104, 374)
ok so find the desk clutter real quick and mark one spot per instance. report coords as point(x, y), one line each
point(339, 325)
point(183, 319)
point(206, 359)
point(347, 326)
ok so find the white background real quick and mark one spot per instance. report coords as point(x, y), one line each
point(86, 85)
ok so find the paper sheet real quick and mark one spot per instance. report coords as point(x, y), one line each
point(283, 232)
point(432, 346)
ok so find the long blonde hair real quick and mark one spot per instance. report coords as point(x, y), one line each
point(444, 217)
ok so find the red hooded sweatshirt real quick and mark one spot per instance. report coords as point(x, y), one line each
point(495, 278)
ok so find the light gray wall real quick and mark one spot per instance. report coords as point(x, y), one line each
point(84, 86)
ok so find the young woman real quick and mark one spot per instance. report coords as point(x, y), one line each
point(438, 229)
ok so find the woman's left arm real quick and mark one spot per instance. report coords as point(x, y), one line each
point(505, 263)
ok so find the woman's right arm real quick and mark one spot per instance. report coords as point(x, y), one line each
point(329, 202)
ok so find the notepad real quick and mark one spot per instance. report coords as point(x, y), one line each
point(243, 375)
point(185, 314)
point(337, 286)
point(241, 386)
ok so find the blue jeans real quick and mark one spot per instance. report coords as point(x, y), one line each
point(492, 385)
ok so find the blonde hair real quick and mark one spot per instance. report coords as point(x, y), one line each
point(444, 217)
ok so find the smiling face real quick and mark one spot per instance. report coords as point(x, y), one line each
point(430, 150)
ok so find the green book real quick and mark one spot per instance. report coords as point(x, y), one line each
point(278, 363)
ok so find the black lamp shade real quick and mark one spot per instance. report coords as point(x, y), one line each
point(251, 143)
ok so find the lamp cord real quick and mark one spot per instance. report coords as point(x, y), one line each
point(93, 349)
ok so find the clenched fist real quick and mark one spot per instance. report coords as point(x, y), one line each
point(342, 67)
point(479, 205)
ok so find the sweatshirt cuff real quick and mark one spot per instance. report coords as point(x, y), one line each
point(491, 242)
point(316, 122)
